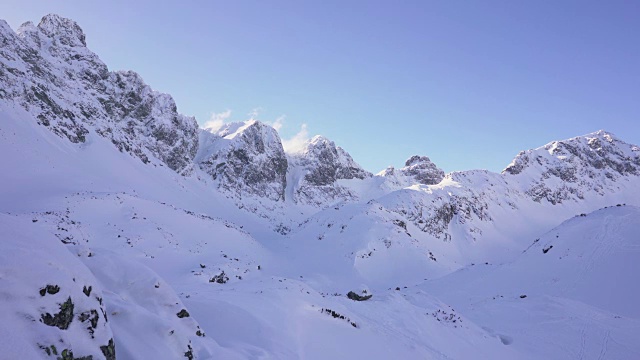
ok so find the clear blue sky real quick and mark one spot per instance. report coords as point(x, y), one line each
point(468, 83)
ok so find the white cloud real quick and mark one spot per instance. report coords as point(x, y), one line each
point(253, 114)
point(277, 124)
point(217, 120)
point(297, 143)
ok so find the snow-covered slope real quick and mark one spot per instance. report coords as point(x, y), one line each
point(46, 180)
point(571, 294)
point(179, 268)
point(51, 303)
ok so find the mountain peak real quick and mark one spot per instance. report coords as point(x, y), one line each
point(602, 133)
point(319, 166)
point(238, 128)
point(318, 142)
point(319, 139)
point(416, 159)
point(571, 168)
point(67, 31)
point(26, 27)
point(333, 162)
point(423, 170)
point(598, 150)
point(245, 158)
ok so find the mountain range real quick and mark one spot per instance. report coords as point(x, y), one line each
point(130, 232)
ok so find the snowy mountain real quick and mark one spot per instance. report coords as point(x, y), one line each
point(130, 233)
point(570, 169)
point(47, 70)
point(245, 159)
point(316, 172)
point(538, 188)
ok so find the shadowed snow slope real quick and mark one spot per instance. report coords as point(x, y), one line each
point(571, 294)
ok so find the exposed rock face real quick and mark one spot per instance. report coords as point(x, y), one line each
point(563, 170)
point(327, 163)
point(63, 318)
point(109, 350)
point(48, 70)
point(317, 169)
point(245, 159)
point(422, 170)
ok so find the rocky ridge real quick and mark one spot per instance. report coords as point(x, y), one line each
point(581, 170)
point(48, 70)
point(567, 170)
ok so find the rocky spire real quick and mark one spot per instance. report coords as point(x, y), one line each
point(422, 170)
point(66, 31)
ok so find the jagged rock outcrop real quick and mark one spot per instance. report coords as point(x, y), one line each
point(245, 159)
point(43, 298)
point(317, 169)
point(422, 170)
point(47, 70)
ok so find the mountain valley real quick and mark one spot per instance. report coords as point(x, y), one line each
point(130, 232)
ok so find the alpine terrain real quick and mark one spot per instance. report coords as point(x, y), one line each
point(129, 232)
